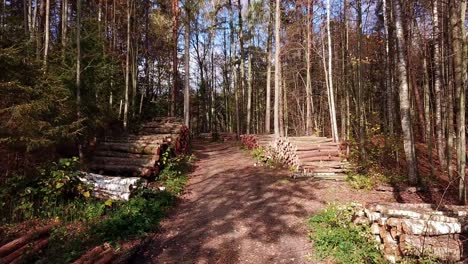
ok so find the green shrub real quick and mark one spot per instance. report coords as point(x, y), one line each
point(174, 174)
point(55, 192)
point(133, 218)
point(336, 237)
point(113, 221)
point(360, 181)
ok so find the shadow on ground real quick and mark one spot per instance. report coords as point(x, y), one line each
point(235, 212)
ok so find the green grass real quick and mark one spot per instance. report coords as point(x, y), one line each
point(87, 222)
point(335, 237)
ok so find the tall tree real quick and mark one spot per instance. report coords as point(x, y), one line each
point(64, 28)
point(277, 67)
point(405, 110)
point(250, 73)
point(175, 35)
point(438, 84)
point(309, 100)
point(46, 33)
point(331, 95)
point(233, 67)
point(187, 66)
point(78, 66)
point(127, 67)
point(268, 77)
point(242, 53)
point(457, 14)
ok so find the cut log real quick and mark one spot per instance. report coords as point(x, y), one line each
point(108, 187)
point(117, 154)
point(153, 148)
point(318, 153)
point(305, 161)
point(92, 254)
point(140, 162)
point(105, 257)
point(27, 250)
point(446, 247)
point(147, 138)
point(125, 169)
point(425, 227)
point(21, 241)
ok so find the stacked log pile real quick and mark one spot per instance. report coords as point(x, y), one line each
point(174, 131)
point(104, 254)
point(417, 230)
point(318, 157)
point(249, 141)
point(29, 244)
point(136, 155)
point(311, 156)
point(252, 141)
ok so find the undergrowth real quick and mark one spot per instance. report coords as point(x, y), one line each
point(87, 222)
point(262, 157)
point(336, 237)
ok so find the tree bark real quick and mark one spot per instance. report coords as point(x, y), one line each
point(360, 101)
point(277, 67)
point(268, 79)
point(64, 28)
point(127, 68)
point(233, 64)
point(46, 33)
point(334, 125)
point(437, 86)
point(175, 28)
point(187, 69)
point(309, 126)
point(242, 55)
point(405, 110)
point(458, 10)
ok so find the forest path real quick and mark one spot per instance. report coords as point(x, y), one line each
point(235, 212)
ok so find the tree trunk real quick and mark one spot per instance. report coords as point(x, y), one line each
point(277, 67)
point(309, 126)
point(250, 73)
point(175, 28)
point(64, 28)
point(405, 110)
point(242, 55)
point(437, 86)
point(187, 69)
point(360, 101)
point(78, 67)
point(268, 80)
point(457, 13)
point(334, 125)
point(46, 33)
point(127, 68)
point(427, 114)
point(234, 69)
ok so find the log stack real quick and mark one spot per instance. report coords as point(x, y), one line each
point(317, 157)
point(134, 156)
point(139, 155)
point(176, 133)
point(249, 141)
point(417, 230)
point(17, 250)
point(252, 141)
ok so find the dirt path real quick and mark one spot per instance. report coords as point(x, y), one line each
point(235, 212)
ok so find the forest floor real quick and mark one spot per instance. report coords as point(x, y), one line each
point(236, 212)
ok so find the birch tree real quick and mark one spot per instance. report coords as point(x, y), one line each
point(405, 111)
